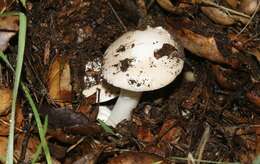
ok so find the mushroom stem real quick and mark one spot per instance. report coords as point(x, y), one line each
point(126, 102)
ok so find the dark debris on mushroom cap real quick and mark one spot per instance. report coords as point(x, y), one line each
point(169, 51)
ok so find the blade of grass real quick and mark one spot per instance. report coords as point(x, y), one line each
point(23, 2)
point(35, 113)
point(39, 124)
point(105, 127)
point(39, 147)
point(19, 63)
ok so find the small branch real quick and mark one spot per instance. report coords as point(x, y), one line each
point(208, 2)
point(250, 20)
point(117, 17)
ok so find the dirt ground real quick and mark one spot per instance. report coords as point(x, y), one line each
point(210, 112)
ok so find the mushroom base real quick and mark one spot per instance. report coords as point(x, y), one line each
point(126, 102)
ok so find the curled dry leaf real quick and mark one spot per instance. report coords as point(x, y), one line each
point(9, 27)
point(168, 6)
point(232, 3)
point(242, 43)
point(229, 79)
point(137, 158)
point(169, 132)
point(218, 16)
point(248, 6)
point(205, 47)
point(6, 99)
point(221, 17)
point(161, 149)
point(59, 81)
point(144, 134)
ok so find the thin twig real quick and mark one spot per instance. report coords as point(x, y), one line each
point(207, 2)
point(6, 123)
point(202, 144)
point(250, 20)
point(76, 144)
point(117, 17)
point(150, 4)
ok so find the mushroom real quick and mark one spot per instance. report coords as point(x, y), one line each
point(104, 92)
point(94, 85)
point(140, 61)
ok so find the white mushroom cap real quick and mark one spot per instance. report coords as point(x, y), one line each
point(106, 92)
point(143, 60)
point(93, 83)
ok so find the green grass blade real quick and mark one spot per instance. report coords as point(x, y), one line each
point(35, 112)
point(19, 63)
point(39, 124)
point(39, 147)
point(105, 127)
point(23, 2)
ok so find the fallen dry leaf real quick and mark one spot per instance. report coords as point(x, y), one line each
point(218, 16)
point(170, 133)
point(232, 3)
point(137, 158)
point(228, 78)
point(205, 47)
point(161, 149)
point(6, 99)
point(3, 147)
point(248, 6)
point(59, 81)
point(4, 121)
point(168, 5)
point(144, 134)
point(9, 27)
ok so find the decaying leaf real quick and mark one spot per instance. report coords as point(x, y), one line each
point(59, 81)
point(9, 27)
point(232, 3)
point(137, 158)
point(168, 5)
point(248, 6)
point(221, 17)
point(169, 132)
point(218, 16)
point(6, 99)
point(228, 78)
point(205, 47)
point(144, 134)
point(4, 121)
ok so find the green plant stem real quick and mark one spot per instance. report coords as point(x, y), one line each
point(19, 63)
